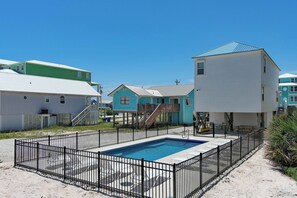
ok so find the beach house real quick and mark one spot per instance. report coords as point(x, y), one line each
point(236, 84)
point(173, 104)
point(288, 90)
point(32, 102)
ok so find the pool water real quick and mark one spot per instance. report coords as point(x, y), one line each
point(154, 150)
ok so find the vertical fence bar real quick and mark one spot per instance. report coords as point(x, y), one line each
point(15, 152)
point(76, 137)
point(231, 150)
point(200, 171)
point(37, 153)
point(98, 185)
point(133, 131)
point(64, 164)
point(194, 127)
point(49, 140)
point(99, 138)
point(174, 180)
point(157, 129)
point(118, 135)
point(213, 130)
point(142, 177)
point(218, 160)
point(225, 131)
point(145, 131)
point(240, 148)
point(248, 146)
point(254, 140)
point(167, 127)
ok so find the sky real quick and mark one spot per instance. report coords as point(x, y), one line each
point(143, 42)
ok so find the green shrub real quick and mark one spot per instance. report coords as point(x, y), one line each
point(291, 172)
point(108, 112)
point(282, 140)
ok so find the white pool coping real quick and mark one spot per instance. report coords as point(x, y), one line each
point(176, 157)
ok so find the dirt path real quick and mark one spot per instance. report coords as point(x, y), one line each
point(256, 177)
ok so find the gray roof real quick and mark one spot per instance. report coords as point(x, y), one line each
point(174, 90)
point(35, 84)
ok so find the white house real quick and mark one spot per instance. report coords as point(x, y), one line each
point(237, 84)
point(28, 102)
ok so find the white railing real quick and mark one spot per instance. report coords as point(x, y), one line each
point(81, 115)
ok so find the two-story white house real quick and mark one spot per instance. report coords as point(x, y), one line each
point(237, 84)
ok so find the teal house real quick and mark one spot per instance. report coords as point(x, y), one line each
point(173, 104)
point(288, 90)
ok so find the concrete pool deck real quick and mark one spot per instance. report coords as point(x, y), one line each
point(179, 156)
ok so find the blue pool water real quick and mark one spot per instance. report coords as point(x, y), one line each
point(154, 150)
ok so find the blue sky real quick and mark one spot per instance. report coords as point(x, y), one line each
point(143, 42)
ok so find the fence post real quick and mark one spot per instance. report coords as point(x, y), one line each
point(213, 130)
point(76, 137)
point(248, 146)
point(142, 177)
point(194, 129)
point(37, 165)
point(99, 138)
point(157, 129)
point(64, 164)
point(254, 140)
point(145, 131)
point(98, 185)
point(49, 140)
point(231, 151)
point(218, 160)
point(167, 127)
point(14, 159)
point(118, 135)
point(174, 180)
point(133, 131)
point(200, 171)
point(240, 148)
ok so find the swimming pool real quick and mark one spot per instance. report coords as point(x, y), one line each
point(154, 150)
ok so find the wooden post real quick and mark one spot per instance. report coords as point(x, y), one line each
point(133, 115)
point(113, 118)
point(123, 118)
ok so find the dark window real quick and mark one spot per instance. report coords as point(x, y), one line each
point(262, 91)
point(124, 100)
point(200, 68)
point(62, 99)
point(188, 101)
point(264, 65)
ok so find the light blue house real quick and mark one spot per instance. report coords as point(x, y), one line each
point(288, 90)
point(173, 104)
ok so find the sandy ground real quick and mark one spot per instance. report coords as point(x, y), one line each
point(256, 177)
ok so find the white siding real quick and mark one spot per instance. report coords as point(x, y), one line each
point(13, 106)
point(231, 83)
point(270, 83)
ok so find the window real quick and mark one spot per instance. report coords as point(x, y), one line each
point(293, 88)
point(22, 67)
point(293, 79)
point(18, 68)
point(88, 76)
point(200, 68)
point(262, 91)
point(47, 99)
point(293, 98)
point(62, 99)
point(264, 65)
point(79, 75)
point(188, 101)
point(124, 100)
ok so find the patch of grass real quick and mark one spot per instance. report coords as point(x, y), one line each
point(291, 172)
point(55, 130)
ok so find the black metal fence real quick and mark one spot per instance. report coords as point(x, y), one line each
point(195, 173)
point(65, 158)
